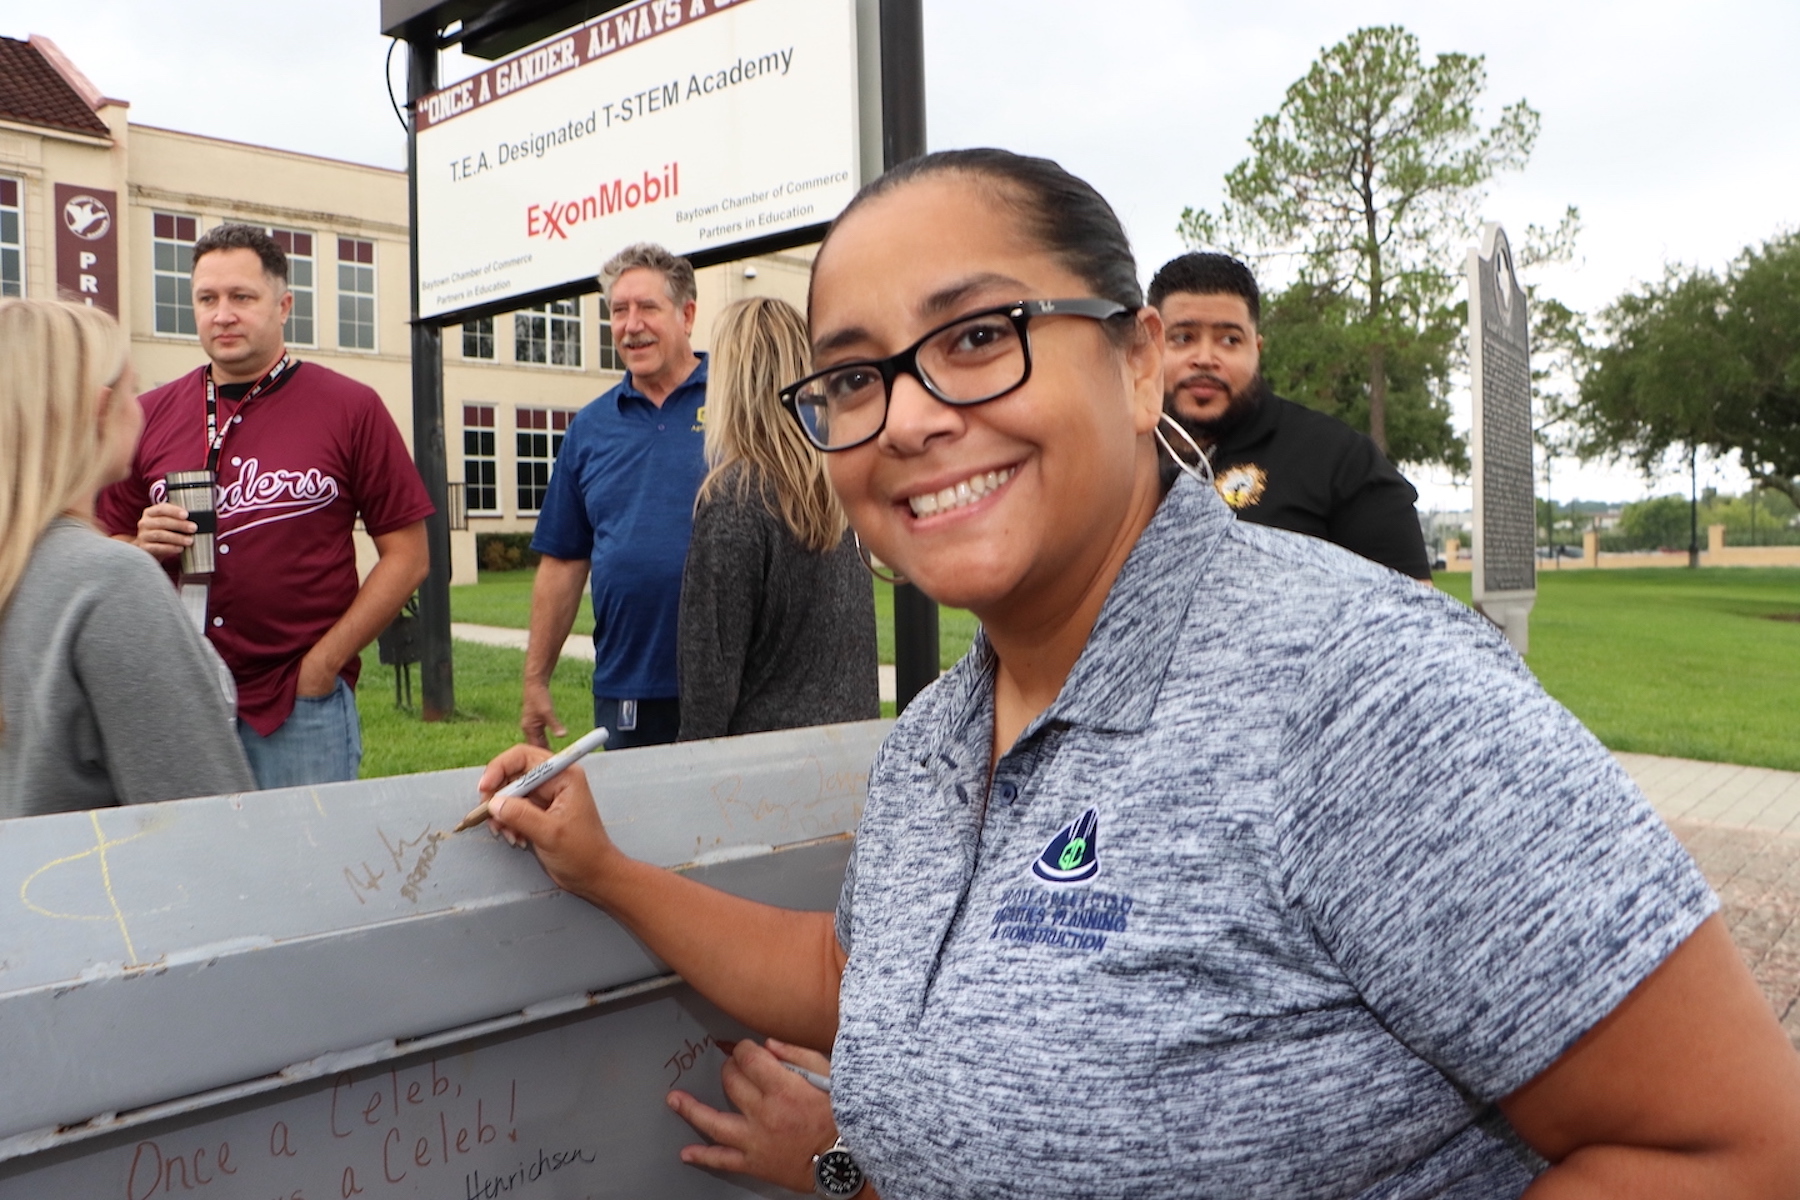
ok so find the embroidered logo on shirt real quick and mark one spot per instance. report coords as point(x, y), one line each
point(1067, 919)
point(1073, 855)
point(1242, 485)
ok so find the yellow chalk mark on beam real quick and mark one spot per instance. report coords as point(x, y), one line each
point(116, 914)
point(106, 882)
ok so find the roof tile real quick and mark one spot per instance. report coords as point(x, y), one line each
point(33, 91)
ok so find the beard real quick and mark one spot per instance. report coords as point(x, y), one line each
point(1239, 405)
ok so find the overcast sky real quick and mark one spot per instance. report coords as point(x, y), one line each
point(1674, 126)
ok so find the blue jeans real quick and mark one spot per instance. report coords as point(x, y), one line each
point(320, 742)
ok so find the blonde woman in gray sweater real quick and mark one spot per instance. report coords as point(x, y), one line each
point(108, 695)
point(777, 625)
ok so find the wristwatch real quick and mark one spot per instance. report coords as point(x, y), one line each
point(835, 1174)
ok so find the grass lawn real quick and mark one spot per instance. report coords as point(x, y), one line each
point(503, 598)
point(396, 742)
point(1671, 661)
point(956, 629)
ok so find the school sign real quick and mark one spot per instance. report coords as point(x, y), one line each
point(697, 124)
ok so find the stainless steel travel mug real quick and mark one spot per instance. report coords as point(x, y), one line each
point(193, 490)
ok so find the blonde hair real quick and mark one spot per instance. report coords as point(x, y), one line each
point(759, 345)
point(55, 358)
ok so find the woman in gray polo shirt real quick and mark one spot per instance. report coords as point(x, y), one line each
point(1226, 863)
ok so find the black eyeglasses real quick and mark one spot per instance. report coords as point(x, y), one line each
point(971, 360)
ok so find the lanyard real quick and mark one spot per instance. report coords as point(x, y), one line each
point(215, 434)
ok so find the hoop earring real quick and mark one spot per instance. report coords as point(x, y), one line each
point(1202, 470)
point(868, 562)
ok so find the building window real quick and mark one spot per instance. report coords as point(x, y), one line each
point(478, 338)
point(12, 240)
point(172, 262)
point(539, 440)
point(300, 327)
point(481, 470)
point(609, 353)
point(549, 333)
point(356, 294)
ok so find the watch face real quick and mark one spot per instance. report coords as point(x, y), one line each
point(837, 1174)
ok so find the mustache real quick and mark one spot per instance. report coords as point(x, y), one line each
point(1199, 377)
point(637, 343)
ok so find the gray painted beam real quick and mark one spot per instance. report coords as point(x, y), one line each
point(154, 952)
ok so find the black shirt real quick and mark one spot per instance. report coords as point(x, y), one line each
point(1290, 467)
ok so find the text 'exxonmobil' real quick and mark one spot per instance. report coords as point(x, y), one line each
point(555, 219)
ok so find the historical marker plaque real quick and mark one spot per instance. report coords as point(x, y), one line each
point(1505, 583)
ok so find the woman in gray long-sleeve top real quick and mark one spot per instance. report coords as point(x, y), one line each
point(108, 695)
point(777, 626)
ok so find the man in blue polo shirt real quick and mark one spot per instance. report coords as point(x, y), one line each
point(620, 507)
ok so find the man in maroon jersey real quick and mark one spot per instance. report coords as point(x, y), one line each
point(299, 452)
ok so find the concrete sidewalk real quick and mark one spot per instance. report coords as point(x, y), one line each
point(1742, 825)
point(579, 645)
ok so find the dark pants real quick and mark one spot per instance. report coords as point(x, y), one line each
point(655, 722)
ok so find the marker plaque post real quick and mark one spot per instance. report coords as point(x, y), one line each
point(1505, 550)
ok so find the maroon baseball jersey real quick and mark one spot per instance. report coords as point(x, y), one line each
point(299, 463)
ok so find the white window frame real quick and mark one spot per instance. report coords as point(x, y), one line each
point(609, 357)
point(301, 264)
point(14, 286)
point(179, 277)
point(479, 328)
point(546, 328)
point(527, 460)
point(491, 428)
point(354, 268)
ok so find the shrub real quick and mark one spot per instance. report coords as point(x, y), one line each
point(505, 551)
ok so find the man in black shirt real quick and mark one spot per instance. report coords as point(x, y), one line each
point(1276, 462)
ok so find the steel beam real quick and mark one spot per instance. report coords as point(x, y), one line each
point(239, 945)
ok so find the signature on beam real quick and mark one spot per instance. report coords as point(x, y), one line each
point(812, 804)
point(411, 857)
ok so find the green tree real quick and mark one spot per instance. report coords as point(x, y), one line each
point(1657, 381)
point(1758, 517)
point(1762, 421)
point(1697, 361)
point(1318, 352)
point(1660, 523)
point(1559, 338)
point(1370, 175)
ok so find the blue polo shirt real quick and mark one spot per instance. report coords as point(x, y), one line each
point(622, 496)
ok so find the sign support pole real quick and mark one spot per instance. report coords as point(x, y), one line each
point(436, 676)
point(902, 138)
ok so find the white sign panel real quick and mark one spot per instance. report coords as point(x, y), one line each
point(697, 124)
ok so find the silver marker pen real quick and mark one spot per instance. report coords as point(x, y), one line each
point(551, 767)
